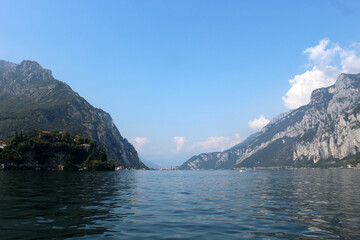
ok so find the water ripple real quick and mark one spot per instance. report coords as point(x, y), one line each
point(261, 204)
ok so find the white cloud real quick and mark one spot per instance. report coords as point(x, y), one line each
point(138, 142)
point(320, 54)
point(323, 71)
point(215, 143)
point(350, 62)
point(355, 45)
point(258, 123)
point(302, 85)
point(179, 141)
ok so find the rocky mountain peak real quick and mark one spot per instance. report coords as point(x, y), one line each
point(30, 98)
point(346, 81)
point(6, 67)
point(29, 64)
point(325, 132)
point(31, 70)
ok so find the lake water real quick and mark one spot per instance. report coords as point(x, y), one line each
point(255, 204)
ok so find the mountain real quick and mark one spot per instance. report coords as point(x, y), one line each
point(150, 164)
point(30, 98)
point(326, 131)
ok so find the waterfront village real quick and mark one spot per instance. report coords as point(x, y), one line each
point(53, 150)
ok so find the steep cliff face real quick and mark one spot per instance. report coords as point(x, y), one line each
point(30, 98)
point(327, 129)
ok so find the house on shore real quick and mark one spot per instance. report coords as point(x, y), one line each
point(2, 144)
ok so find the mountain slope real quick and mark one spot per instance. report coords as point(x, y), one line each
point(30, 97)
point(327, 129)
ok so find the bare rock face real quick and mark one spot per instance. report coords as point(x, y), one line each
point(30, 98)
point(326, 129)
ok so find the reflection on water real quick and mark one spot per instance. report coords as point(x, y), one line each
point(270, 204)
point(309, 204)
point(39, 205)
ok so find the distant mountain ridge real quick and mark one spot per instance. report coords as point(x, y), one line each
point(30, 98)
point(326, 130)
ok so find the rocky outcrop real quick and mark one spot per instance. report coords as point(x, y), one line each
point(30, 98)
point(326, 129)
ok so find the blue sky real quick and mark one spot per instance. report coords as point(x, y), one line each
point(184, 77)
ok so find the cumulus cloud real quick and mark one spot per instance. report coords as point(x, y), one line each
point(302, 85)
point(179, 141)
point(258, 123)
point(215, 143)
point(138, 143)
point(350, 62)
point(321, 54)
point(323, 71)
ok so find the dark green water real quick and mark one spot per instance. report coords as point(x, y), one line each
point(261, 204)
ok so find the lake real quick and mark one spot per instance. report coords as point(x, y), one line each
point(254, 204)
